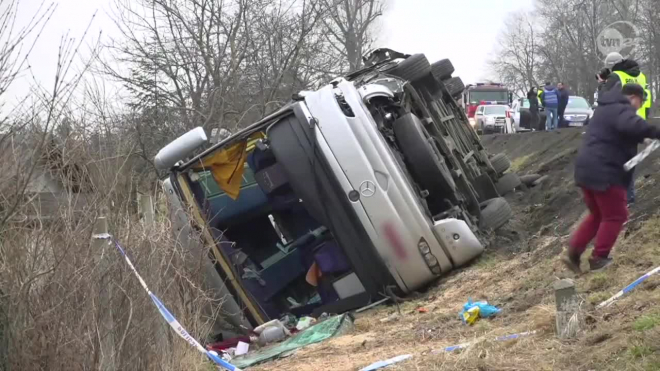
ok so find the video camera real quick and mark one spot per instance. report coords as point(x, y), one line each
point(603, 74)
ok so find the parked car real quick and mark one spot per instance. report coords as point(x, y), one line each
point(520, 117)
point(578, 111)
point(491, 118)
point(340, 197)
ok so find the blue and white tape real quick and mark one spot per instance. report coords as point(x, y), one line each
point(499, 338)
point(178, 328)
point(655, 144)
point(627, 289)
point(385, 363)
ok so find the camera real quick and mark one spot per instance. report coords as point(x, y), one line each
point(603, 74)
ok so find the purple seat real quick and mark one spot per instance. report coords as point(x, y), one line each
point(330, 258)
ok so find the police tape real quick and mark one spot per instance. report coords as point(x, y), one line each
point(178, 328)
point(499, 338)
point(655, 144)
point(628, 289)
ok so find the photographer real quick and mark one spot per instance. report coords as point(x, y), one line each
point(621, 71)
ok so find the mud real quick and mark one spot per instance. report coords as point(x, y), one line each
point(553, 207)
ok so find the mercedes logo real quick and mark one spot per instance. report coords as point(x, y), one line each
point(367, 188)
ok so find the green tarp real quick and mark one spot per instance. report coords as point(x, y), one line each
point(333, 326)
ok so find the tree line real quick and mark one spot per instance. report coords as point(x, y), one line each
point(558, 40)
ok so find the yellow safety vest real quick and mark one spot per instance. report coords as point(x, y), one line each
point(640, 80)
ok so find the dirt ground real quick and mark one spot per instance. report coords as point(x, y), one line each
point(517, 273)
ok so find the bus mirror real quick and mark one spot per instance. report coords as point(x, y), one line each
point(180, 148)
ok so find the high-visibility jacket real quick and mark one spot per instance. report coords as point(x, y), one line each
point(640, 80)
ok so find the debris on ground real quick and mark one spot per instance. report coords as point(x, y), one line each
point(473, 311)
point(242, 348)
point(385, 363)
point(390, 318)
point(333, 326)
point(304, 323)
point(499, 338)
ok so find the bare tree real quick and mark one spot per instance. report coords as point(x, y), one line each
point(565, 41)
point(213, 63)
point(350, 26)
point(516, 61)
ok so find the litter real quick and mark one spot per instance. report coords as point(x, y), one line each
point(387, 362)
point(473, 311)
point(333, 326)
point(471, 315)
point(242, 348)
point(304, 323)
point(274, 323)
point(627, 289)
point(390, 318)
point(499, 338)
point(271, 334)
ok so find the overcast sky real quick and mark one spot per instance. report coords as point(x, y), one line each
point(463, 30)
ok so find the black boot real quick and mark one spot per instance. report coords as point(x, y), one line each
point(572, 262)
point(597, 264)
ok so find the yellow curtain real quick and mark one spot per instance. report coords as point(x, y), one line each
point(227, 165)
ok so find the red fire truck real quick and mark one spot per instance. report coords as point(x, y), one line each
point(478, 94)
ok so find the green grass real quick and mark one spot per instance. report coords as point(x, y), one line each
point(647, 322)
point(519, 162)
point(598, 297)
point(652, 366)
point(598, 281)
point(640, 351)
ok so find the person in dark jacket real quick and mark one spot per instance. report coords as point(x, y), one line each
point(532, 97)
point(610, 141)
point(550, 101)
point(563, 102)
point(628, 67)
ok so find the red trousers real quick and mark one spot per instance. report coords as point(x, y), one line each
point(608, 212)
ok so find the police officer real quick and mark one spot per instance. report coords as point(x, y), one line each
point(625, 71)
point(622, 72)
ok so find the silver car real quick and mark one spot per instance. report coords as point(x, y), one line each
point(491, 119)
point(578, 111)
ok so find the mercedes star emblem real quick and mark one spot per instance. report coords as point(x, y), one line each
point(367, 188)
